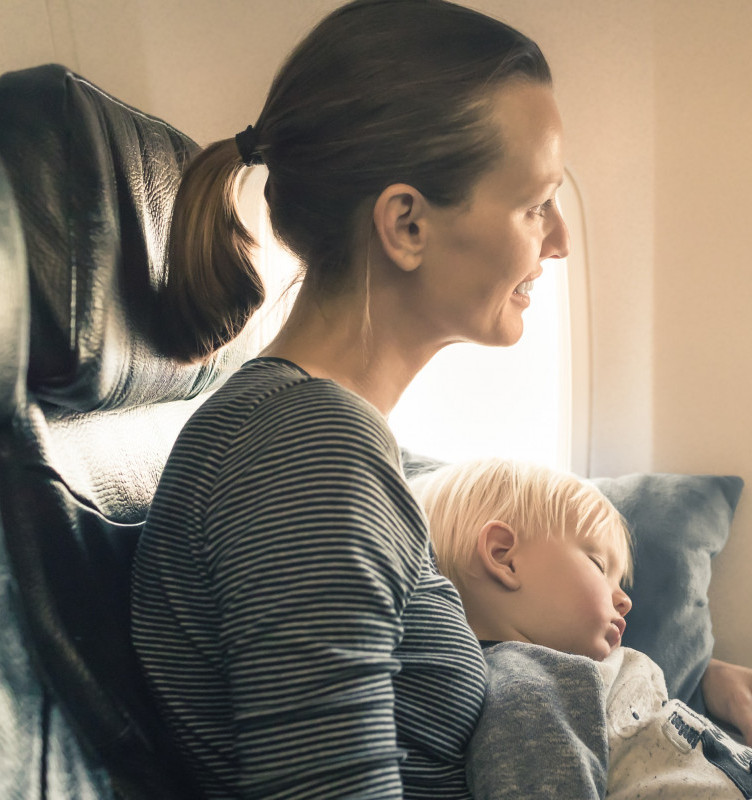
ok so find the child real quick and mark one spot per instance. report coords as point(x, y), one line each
point(539, 558)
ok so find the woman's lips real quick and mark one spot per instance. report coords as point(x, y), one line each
point(524, 288)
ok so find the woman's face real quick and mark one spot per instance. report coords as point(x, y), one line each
point(481, 257)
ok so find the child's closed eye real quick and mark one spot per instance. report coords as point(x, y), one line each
point(598, 563)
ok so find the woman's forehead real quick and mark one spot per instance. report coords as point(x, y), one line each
point(530, 132)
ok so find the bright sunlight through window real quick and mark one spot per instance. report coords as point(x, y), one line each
point(529, 401)
point(471, 401)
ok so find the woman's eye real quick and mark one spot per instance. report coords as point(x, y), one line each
point(542, 209)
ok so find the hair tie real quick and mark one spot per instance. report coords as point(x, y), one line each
point(246, 143)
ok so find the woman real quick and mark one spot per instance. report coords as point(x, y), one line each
point(285, 610)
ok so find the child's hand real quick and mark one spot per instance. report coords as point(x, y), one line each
point(728, 695)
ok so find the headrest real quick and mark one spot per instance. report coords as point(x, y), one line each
point(14, 319)
point(94, 180)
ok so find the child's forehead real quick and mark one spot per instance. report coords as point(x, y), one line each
point(602, 542)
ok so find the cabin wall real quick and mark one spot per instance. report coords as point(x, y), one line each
point(653, 95)
point(703, 273)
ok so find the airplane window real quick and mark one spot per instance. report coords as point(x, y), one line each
point(529, 401)
point(471, 401)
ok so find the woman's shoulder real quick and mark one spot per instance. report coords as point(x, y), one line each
point(288, 389)
point(273, 402)
point(266, 379)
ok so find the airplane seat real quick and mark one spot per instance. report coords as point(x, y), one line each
point(89, 409)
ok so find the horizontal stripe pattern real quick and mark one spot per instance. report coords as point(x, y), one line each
point(285, 610)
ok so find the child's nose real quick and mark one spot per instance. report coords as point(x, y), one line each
point(622, 602)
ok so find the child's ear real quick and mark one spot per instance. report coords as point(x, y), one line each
point(497, 548)
point(399, 217)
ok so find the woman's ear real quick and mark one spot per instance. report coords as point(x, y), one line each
point(497, 549)
point(399, 217)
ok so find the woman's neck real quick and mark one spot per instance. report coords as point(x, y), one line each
point(372, 355)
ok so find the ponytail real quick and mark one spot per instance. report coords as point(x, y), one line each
point(413, 106)
point(212, 287)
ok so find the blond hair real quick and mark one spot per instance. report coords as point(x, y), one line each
point(459, 499)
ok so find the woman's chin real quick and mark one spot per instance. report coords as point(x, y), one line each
point(508, 336)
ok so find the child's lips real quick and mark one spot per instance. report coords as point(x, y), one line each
point(615, 632)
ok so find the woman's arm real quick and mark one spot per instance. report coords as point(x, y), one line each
point(313, 557)
point(728, 695)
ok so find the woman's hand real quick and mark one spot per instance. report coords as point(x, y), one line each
point(728, 695)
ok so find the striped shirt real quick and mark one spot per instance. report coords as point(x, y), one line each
point(285, 610)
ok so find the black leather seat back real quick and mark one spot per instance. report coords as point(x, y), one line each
point(90, 407)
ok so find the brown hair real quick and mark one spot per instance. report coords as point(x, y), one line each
point(380, 92)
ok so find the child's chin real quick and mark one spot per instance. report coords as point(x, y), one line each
point(602, 652)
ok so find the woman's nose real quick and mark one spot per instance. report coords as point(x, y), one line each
point(556, 244)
